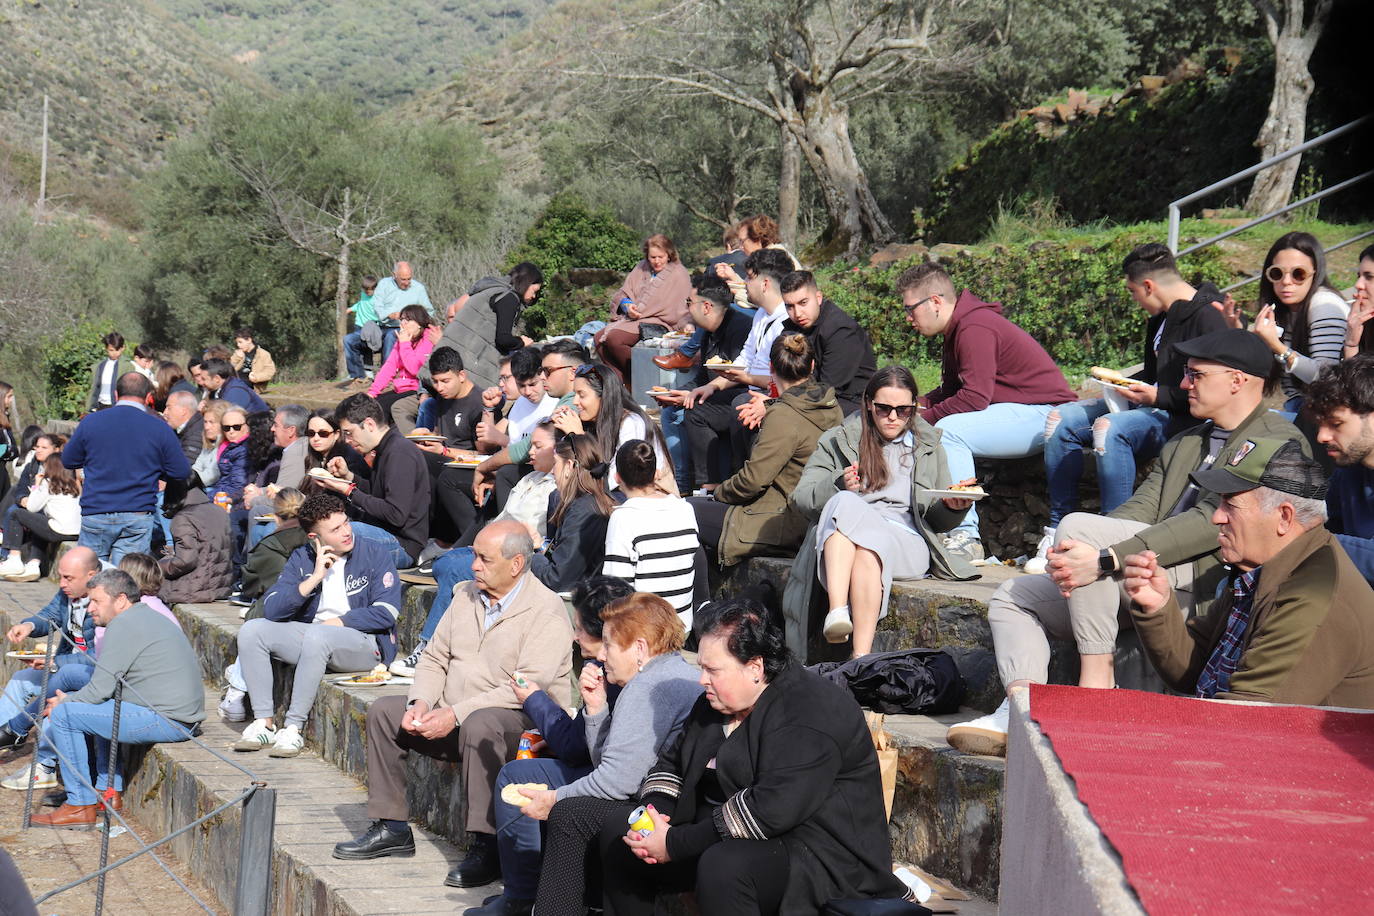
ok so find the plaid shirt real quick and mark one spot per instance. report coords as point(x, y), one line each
point(1216, 675)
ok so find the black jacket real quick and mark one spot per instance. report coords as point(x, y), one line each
point(801, 768)
point(575, 548)
point(843, 353)
point(192, 436)
point(396, 497)
point(1185, 319)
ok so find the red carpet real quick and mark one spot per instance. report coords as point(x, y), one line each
point(1217, 808)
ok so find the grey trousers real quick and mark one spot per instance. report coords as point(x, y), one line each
point(1026, 611)
point(312, 647)
point(403, 413)
point(486, 740)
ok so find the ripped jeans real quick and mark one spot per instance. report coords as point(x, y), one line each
point(1118, 441)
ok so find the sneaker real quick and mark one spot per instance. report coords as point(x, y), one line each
point(12, 565)
point(43, 778)
point(255, 737)
point(232, 707)
point(405, 667)
point(28, 572)
point(237, 599)
point(961, 545)
point(838, 625)
point(428, 554)
point(288, 742)
point(1040, 562)
point(985, 735)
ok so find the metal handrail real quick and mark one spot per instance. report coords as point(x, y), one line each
point(1329, 248)
point(1175, 207)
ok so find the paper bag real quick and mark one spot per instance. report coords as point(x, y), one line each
point(887, 758)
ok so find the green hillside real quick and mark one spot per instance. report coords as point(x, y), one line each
point(376, 53)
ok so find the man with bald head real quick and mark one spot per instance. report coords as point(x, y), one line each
point(393, 294)
point(66, 616)
point(462, 706)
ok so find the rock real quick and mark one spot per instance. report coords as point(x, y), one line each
point(1077, 99)
point(1063, 112)
point(1037, 506)
point(894, 253)
point(947, 251)
point(1152, 83)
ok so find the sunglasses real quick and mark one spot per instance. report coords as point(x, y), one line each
point(911, 309)
point(232, 426)
point(585, 370)
point(548, 371)
point(900, 411)
point(320, 433)
point(1277, 273)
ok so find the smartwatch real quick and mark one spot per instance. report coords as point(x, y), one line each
point(1106, 562)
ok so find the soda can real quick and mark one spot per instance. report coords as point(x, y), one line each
point(223, 501)
point(527, 742)
point(640, 822)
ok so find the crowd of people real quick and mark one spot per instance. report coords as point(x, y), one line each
point(554, 486)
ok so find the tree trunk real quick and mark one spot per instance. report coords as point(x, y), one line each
point(789, 189)
point(1285, 124)
point(341, 306)
point(855, 220)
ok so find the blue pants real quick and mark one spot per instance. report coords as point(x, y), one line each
point(1128, 437)
point(257, 531)
point(996, 431)
point(113, 534)
point(355, 351)
point(388, 540)
point(75, 725)
point(449, 569)
point(679, 449)
point(518, 837)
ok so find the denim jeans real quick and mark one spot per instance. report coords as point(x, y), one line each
point(388, 540)
point(679, 449)
point(75, 725)
point(113, 534)
point(257, 531)
point(996, 431)
point(23, 699)
point(518, 837)
point(1131, 436)
point(449, 569)
point(354, 352)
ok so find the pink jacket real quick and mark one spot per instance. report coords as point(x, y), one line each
point(402, 368)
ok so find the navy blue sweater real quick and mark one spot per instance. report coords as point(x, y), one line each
point(1350, 507)
point(125, 451)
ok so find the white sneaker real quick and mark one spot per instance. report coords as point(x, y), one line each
point(1037, 564)
point(838, 624)
point(985, 735)
point(232, 707)
point(28, 572)
point(288, 742)
point(12, 565)
point(961, 545)
point(405, 667)
point(255, 737)
point(43, 778)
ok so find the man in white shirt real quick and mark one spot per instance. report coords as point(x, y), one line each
point(393, 294)
point(108, 371)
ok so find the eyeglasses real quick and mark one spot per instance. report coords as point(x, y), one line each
point(911, 309)
point(548, 371)
point(232, 426)
point(320, 433)
point(505, 378)
point(1276, 273)
point(1193, 375)
point(901, 411)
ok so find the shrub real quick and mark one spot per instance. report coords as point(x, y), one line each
point(67, 363)
point(1067, 295)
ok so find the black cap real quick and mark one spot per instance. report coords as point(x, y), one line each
point(1278, 464)
point(1232, 347)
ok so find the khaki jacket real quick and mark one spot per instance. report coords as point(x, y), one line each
point(469, 668)
point(760, 521)
point(1190, 536)
point(1310, 639)
point(263, 371)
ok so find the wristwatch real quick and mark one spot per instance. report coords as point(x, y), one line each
point(1106, 561)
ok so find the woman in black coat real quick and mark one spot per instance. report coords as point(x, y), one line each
point(773, 790)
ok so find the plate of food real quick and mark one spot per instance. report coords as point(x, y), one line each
point(1110, 377)
point(721, 364)
point(463, 463)
point(27, 655)
point(959, 491)
point(377, 677)
point(424, 437)
point(320, 474)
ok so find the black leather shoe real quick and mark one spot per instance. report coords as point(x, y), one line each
point(9, 741)
point(481, 866)
point(377, 842)
point(54, 799)
point(500, 905)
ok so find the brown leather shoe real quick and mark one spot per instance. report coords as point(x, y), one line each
point(674, 362)
point(68, 817)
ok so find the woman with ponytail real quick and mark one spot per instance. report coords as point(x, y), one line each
point(576, 543)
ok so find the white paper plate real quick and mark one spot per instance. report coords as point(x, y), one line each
point(393, 682)
point(957, 494)
point(320, 474)
point(725, 367)
point(426, 437)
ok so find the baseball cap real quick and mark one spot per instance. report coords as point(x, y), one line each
point(1232, 347)
point(1278, 464)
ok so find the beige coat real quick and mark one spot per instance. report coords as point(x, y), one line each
point(469, 668)
point(263, 369)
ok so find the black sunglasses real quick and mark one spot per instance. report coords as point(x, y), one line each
point(902, 411)
point(232, 426)
point(320, 433)
point(1276, 273)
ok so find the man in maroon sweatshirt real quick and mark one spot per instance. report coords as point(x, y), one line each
point(997, 385)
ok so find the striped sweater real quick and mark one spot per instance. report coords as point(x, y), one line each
point(652, 543)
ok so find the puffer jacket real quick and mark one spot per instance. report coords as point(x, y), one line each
point(198, 569)
point(760, 521)
point(233, 470)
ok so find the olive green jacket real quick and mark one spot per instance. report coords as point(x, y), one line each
point(761, 521)
point(1190, 537)
point(1310, 638)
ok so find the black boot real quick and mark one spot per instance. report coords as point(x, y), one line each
point(501, 905)
point(481, 866)
point(9, 741)
point(377, 842)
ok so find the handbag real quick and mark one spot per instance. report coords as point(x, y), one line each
point(869, 906)
point(649, 331)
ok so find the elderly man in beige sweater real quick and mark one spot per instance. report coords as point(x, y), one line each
point(462, 706)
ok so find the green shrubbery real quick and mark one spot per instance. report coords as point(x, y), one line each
point(1067, 295)
point(67, 363)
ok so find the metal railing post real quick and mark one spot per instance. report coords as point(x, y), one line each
point(253, 891)
point(1174, 220)
point(43, 698)
point(103, 800)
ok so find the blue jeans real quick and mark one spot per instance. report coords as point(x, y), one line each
point(259, 530)
point(679, 449)
point(75, 725)
point(518, 837)
point(354, 352)
point(388, 540)
point(23, 698)
point(113, 534)
point(449, 569)
point(996, 431)
point(1128, 437)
